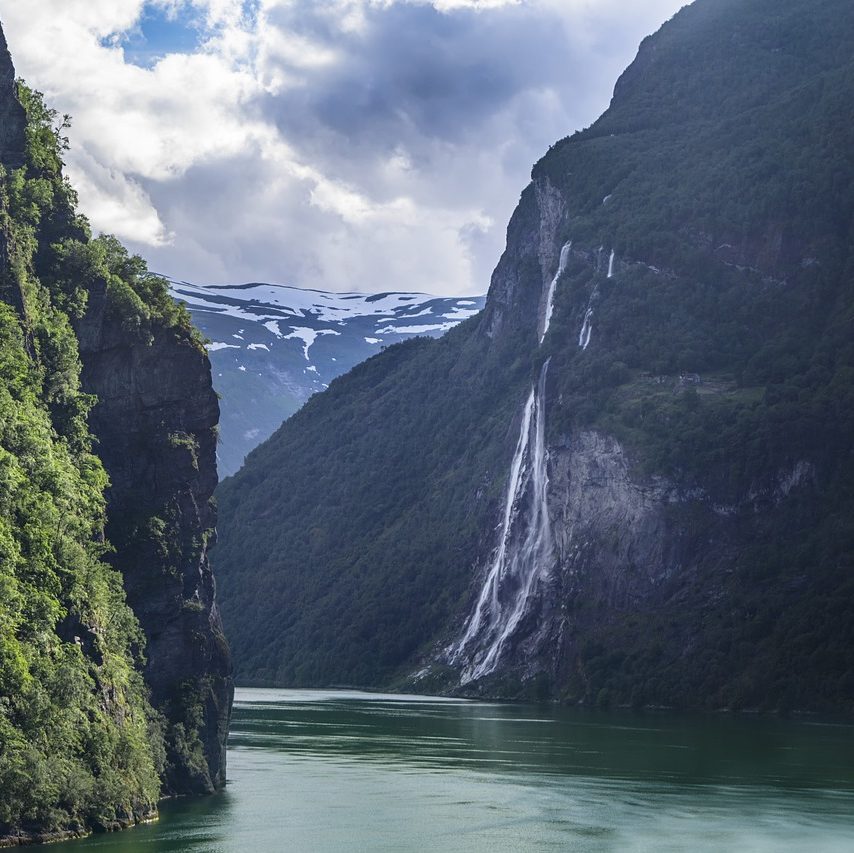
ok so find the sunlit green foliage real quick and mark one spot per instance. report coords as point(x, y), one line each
point(79, 743)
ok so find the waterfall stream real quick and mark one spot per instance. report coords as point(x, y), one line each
point(525, 550)
point(550, 297)
point(587, 323)
point(586, 326)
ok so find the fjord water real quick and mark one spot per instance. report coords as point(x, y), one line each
point(339, 771)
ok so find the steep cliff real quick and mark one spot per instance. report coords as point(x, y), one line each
point(156, 424)
point(629, 479)
point(114, 675)
point(12, 117)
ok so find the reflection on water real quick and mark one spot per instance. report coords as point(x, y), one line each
point(340, 770)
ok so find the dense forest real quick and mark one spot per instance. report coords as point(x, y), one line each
point(721, 359)
point(81, 746)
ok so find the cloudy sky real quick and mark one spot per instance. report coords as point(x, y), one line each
point(338, 144)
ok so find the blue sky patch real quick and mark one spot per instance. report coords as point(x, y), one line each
point(159, 33)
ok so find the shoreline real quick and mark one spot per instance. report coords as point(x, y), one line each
point(24, 839)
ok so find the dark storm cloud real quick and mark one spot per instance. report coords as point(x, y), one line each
point(414, 72)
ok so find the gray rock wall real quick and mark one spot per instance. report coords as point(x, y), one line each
point(156, 423)
point(12, 118)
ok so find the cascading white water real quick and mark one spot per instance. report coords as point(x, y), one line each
point(489, 593)
point(587, 324)
point(586, 327)
point(525, 551)
point(550, 296)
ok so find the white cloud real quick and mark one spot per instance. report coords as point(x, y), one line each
point(329, 143)
point(113, 197)
point(452, 5)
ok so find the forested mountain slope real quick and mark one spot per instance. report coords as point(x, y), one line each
point(114, 675)
point(630, 478)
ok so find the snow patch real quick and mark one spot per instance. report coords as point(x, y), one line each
point(457, 313)
point(308, 337)
point(414, 330)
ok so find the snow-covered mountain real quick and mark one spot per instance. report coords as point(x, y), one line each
point(273, 346)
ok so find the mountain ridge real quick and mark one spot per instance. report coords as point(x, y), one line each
point(273, 346)
point(696, 418)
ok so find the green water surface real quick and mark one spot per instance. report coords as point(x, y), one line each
point(338, 770)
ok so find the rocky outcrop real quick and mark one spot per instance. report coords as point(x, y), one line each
point(518, 292)
point(12, 142)
point(156, 425)
point(75, 643)
point(12, 118)
point(511, 304)
point(618, 540)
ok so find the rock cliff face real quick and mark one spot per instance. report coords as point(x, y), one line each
point(12, 128)
point(614, 546)
point(631, 547)
point(156, 425)
point(12, 118)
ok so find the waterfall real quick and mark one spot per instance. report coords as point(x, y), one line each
point(525, 550)
point(525, 545)
point(550, 298)
point(586, 327)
